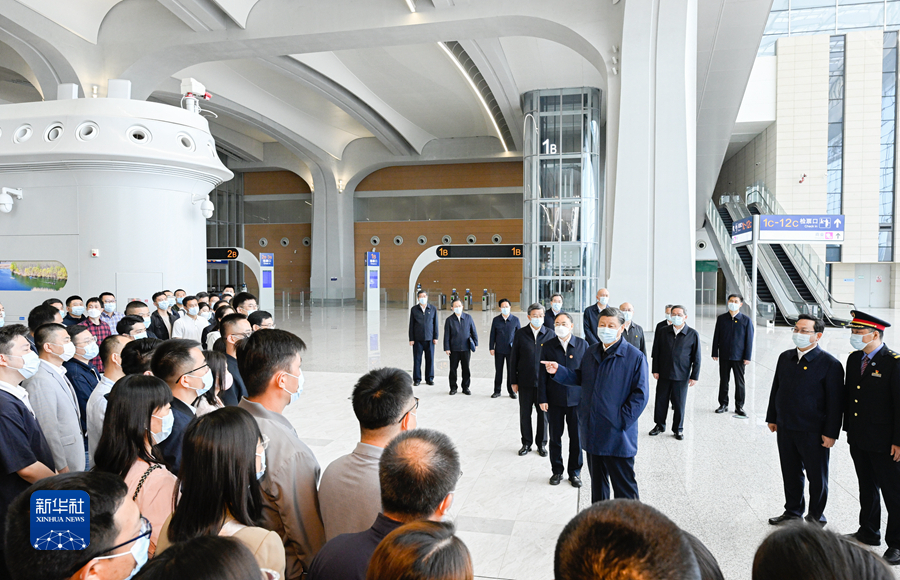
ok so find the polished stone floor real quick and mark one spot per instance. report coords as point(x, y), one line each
point(721, 483)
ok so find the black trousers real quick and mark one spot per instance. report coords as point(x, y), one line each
point(419, 347)
point(675, 391)
point(501, 359)
point(726, 367)
point(457, 357)
point(877, 472)
point(800, 451)
point(557, 418)
point(619, 471)
point(527, 403)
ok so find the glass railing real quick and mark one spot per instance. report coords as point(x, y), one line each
point(805, 259)
point(732, 258)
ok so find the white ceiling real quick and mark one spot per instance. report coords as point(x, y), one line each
point(537, 63)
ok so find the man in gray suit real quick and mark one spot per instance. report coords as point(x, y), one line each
point(53, 398)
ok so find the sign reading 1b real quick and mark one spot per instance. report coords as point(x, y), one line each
point(480, 251)
point(823, 228)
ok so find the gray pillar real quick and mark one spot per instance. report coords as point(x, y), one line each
point(332, 273)
point(563, 192)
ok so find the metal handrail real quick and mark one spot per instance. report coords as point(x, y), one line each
point(723, 236)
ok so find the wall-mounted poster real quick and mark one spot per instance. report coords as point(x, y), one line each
point(24, 276)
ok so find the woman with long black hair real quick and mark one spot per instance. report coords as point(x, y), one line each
point(222, 381)
point(223, 459)
point(138, 417)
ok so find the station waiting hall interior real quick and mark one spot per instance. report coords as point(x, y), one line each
point(398, 180)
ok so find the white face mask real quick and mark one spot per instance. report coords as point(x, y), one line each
point(563, 331)
point(423, 300)
point(457, 310)
point(734, 306)
point(93, 313)
point(537, 322)
point(603, 300)
point(68, 351)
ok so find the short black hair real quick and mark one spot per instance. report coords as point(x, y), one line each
point(735, 295)
point(104, 294)
point(381, 397)
point(125, 325)
point(134, 304)
point(202, 295)
point(172, 359)
point(44, 334)
point(625, 539)
point(258, 317)
point(107, 492)
point(187, 299)
point(7, 335)
point(41, 315)
point(94, 299)
point(421, 549)
point(226, 286)
point(683, 309)
point(417, 470)
point(421, 291)
point(807, 552)
point(75, 330)
point(265, 353)
point(52, 302)
point(242, 297)
point(818, 323)
point(107, 347)
point(612, 311)
point(502, 300)
point(136, 354)
point(230, 320)
point(202, 558)
point(555, 296)
point(157, 295)
point(72, 299)
point(180, 290)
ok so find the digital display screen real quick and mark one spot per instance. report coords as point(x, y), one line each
point(267, 278)
point(480, 251)
point(221, 253)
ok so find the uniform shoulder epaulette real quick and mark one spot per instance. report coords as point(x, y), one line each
point(892, 353)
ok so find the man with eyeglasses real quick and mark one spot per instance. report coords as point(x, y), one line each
point(872, 423)
point(120, 536)
point(384, 405)
point(109, 314)
point(234, 328)
point(180, 363)
point(805, 412)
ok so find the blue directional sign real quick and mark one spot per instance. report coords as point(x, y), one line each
point(821, 228)
point(373, 258)
point(742, 231)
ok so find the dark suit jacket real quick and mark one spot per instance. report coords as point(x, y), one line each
point(733, 337)
point(458, 330)
point(550, 319)
point(558, 394)
point(69, 320)
point(525, 356)
point(83, 378)
point(158, 327)
point(423, 325)
point(589, 322)
point(676, 357)
point(238, 390)
point(502, 333)
point(171, 447)
point(614, 392)
point(634, 334)
point(872, 404)
point(808, 393)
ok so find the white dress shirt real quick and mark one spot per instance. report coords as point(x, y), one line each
point(96, 412)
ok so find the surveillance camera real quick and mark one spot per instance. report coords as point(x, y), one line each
point(6, 202)
point(207, 208)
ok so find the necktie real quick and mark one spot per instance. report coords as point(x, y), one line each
point(865, 363)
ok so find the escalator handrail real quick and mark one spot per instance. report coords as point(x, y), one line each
point(723, 238)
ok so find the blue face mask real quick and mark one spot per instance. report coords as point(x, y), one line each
point(295, 395)
point(801, 340)
point(628, 315)
point(607, 335)
point(677, 320)
point(110, 307)
point(262, 471)
point(180, 300)
point(140, 551)
point(77, 311)
point(91, 351)
point(207, 382)
point(167, 423)
point(734, 306)
point(856, 341)
point(146, 321)
point(556, 306)
point(194, 311)
point(537, 322)
point(162, 305)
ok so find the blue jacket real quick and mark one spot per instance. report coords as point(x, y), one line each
point(83, 378)
point(808, 393)
point(590, 320)
point(550, 318)
point(733, 337)
point(457, 333)
point(550, 391)
point(614, 392)
point(502, 333)
point(423, 325)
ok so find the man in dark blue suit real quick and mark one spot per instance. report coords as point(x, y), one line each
point(423, 335)
point(560, 402)
point(524, 364)
point(555, 310)
point(806, 407)
point(614, 391)
point(592, 316)
point(676, 366)
point(460, 340)
point(732, 345)
point(503, 329)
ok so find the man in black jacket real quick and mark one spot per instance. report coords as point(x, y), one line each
point(632, 333)
point(423, 335)
point(667, 321)
point(872, 423)
point(503, 329)
point(676, 366)
point(806, 406)
point(524, 361)
point(732, 346)
point(161, 321)
point(460, 340)
point(592, 316)
point(234, 327)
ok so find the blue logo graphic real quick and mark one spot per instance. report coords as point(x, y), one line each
point(373, 258)
point(60, 520)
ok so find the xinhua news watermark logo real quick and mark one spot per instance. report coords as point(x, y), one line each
point(60, 520)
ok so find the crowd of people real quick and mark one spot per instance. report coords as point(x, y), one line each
point(172, 422)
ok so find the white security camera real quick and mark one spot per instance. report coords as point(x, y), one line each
point(6, 198)
point(207, 208)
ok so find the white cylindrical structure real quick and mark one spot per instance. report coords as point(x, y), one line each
point(117, 178)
